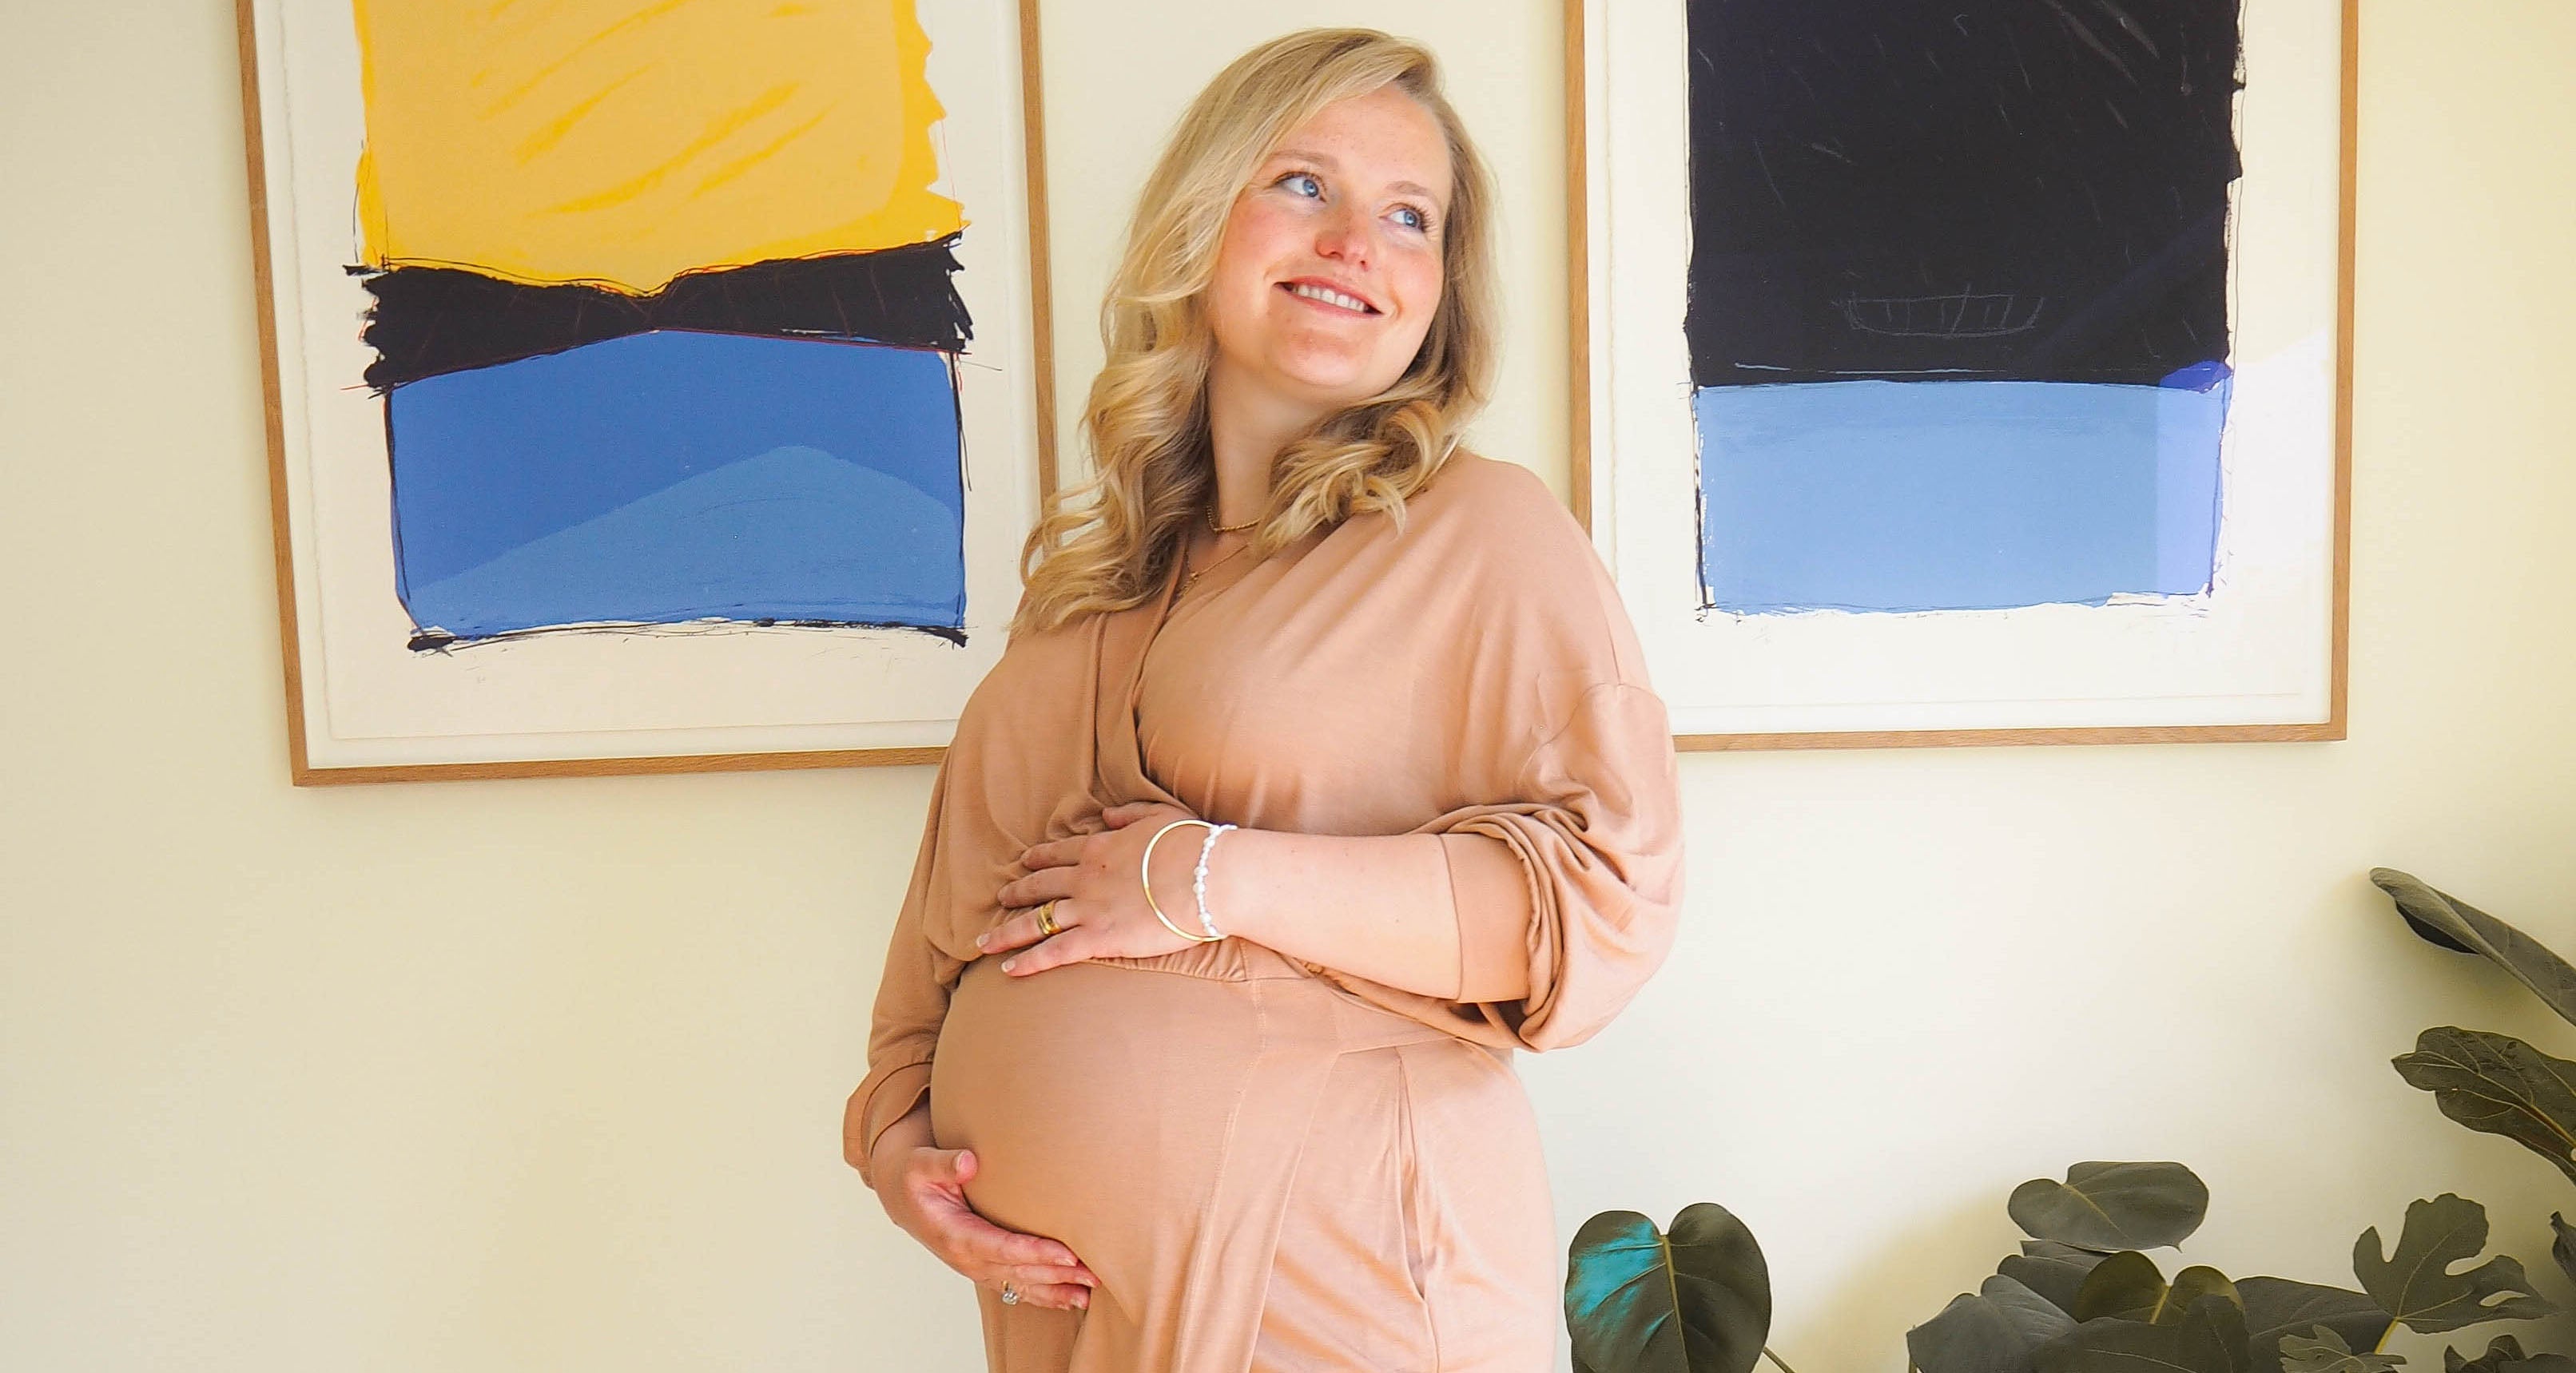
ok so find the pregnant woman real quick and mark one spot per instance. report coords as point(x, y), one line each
point(1321, 774)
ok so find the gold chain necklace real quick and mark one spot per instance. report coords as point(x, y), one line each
point(1192, 578)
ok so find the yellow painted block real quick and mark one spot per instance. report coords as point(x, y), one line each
point(622, 143)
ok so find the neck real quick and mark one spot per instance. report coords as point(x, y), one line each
point(1247, 427)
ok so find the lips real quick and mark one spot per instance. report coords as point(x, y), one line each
point(1328, 294)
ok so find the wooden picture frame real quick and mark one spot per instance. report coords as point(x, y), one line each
point(1017, 344)
point(1593, 464)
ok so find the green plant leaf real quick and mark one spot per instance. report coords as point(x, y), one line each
point(2111, 1345)
point(2417, 1286)
point(2499, 1085)
point(2326, 1352)
point(2108, 1207)
point(2563, 1248)
point(1993, 1331)
point(2214, 1334)
point(2125, 1286)
point(2502, 1350)
point(2277, 1307)
point(1971, 1335)
point(2505, 1355)
point(2128, 1287)
point(2189, 1286)
point(1696, 1300)
point(2210, 1338)
point(2055, 1271)
point(2454, 924)
point(2037, 1318)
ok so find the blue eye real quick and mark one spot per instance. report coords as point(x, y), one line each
point(1412, 218)
point(1303, 183)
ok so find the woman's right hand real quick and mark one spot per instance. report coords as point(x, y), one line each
point(924, 1190)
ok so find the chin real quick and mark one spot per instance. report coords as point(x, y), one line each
point(1340, 382)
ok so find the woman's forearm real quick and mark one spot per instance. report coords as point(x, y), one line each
point(1385, 908)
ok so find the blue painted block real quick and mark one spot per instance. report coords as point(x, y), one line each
point(1970, 495)
point(669, 477)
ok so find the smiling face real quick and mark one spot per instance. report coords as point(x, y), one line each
point(1331, 268)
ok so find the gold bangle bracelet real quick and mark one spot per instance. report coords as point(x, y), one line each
point(1145, 879)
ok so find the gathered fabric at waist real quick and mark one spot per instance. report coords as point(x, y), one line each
point(1344, 1022)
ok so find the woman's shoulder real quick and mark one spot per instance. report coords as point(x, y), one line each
point(1502, 517)
point(1475, 486)
point(1495, 528)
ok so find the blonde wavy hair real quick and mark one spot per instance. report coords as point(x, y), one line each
point(1108, 543)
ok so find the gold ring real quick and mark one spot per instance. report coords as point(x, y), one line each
point(1047, 928)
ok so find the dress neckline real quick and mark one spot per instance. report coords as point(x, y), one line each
point(1225, 571)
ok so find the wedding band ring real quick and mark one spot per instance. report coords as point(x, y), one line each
point(1010, 1294)
point(1047, 928)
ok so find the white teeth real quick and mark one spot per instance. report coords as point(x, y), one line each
point(1329, 296)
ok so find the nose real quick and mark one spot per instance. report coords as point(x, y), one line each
point(1349, 236)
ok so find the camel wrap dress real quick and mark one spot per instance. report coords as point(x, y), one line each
point(1271, 1165)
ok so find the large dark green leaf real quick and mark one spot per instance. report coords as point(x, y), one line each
point(2500, 1085)
point(2210, 1338)
point(1971, 1335)
point(2214, 1335)
point(1695, 1301)
point(2128, 1287)
point(2113, 1206)
point(2563, 1248)
point(1993, 1331)
point(2055, 1271)
point(2417, 1286)
point(2324, 1351)
point(2189, 1286)
point(2125, 1286)
point(2455, 924)
point(2037, 1318)
point(2275, 1307)
point(2505, 1355)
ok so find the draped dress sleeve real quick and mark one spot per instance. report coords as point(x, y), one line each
point(1563, 834)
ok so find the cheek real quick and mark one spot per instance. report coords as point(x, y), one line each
point(1242, 266)
point(1418, 284)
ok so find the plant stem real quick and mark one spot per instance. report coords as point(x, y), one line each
point(1784, 1366)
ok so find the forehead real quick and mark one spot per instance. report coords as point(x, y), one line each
point(1385, 137)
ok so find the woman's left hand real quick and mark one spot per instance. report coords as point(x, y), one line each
point(1100, 909)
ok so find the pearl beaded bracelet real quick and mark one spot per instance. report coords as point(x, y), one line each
point(1145, 877)
point(1198, 881)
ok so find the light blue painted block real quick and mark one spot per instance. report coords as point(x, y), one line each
point(1966, 495)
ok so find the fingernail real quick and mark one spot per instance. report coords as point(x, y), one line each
point(1009, 963)
point(983, 939)
point(1081, 1302)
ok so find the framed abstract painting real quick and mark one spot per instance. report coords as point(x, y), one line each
point(1969, 372)
point(651, 387)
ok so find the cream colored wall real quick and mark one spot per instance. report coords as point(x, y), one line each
point(546, 1075)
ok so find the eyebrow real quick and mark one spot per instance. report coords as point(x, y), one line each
point(1330, 164)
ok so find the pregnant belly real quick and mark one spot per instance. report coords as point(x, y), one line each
point(1097, 1098)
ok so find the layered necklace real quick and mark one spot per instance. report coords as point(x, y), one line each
point(1192, 578)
